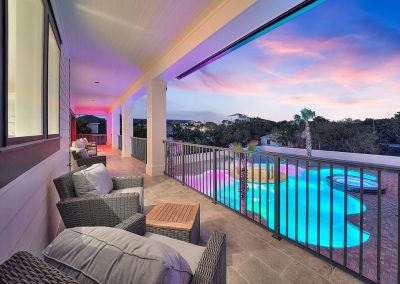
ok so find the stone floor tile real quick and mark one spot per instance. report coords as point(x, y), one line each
point(339, 276)
point(255, 271)
point(300, 274)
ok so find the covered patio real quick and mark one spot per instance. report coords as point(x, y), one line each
point(105, 57)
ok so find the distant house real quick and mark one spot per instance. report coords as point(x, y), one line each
point(273, 139)
point(196, 123)
point(239, 117)
point(97, 124)
point(190, 124)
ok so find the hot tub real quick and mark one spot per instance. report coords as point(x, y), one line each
point(354, 184)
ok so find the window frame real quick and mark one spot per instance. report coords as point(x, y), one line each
point(9, 141)
point(3, 70)
point(48, 20)
point(51, 23)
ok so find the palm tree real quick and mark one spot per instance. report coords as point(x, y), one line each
point(242, 166)
point(305, 116)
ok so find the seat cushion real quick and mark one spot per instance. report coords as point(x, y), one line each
point(94, 180)
point(132, 190)
point(190, 252)
point(91, 153)
point(110, 255)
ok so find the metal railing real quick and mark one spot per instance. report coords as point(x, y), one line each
point(120, 142)
point(100, 139)
point(139, 148)
point(344, 212)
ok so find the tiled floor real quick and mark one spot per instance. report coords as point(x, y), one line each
point(253, 256)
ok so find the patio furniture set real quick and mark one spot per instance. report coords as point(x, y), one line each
point(84, 153)
point(108, 239)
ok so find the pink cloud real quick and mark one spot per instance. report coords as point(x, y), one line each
point(313, 99)
point(325, 73)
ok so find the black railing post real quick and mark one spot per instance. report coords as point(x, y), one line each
point(183, 162)
point(215, 175)
point(277, 201)
point(165, 158)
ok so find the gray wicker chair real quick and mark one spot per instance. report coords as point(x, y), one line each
point(89, 161)
point(23, 267)
point(103, 210)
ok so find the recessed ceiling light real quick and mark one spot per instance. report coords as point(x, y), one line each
point(96, 82)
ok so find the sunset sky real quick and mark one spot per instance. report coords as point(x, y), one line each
point(342, 59)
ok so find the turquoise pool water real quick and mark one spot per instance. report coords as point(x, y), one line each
point(229, 195)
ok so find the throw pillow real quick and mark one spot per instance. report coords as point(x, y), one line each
point(94, 180)
point(83, 154)
point(79, 144)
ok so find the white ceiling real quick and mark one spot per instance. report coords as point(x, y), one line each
point(112, 41)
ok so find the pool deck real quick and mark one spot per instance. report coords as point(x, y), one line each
point(253, 256)
point(389, 228)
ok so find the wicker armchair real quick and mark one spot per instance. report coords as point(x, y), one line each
point(23, 267)
point(103, 210)
point(212, 266)
point(89, 161)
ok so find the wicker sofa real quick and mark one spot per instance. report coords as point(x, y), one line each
point(103, 210)
point(23, 267)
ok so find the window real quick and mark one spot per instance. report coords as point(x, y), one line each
point(53, 89)
point(29, 85)
point(25, 68)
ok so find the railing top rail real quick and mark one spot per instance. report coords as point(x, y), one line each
point(366, 165)
point(94, 134)
point(139, 138)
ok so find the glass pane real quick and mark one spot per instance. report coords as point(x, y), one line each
point(25, 67)
point(53, 84)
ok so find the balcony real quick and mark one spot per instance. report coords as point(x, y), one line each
point(288, 218)
point(253, 255)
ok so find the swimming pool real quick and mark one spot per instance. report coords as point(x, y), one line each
point(262, 196)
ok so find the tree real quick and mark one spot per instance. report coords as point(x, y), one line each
point(242, 167)
point(305, 116)
point(82, 127)
point(358, 136)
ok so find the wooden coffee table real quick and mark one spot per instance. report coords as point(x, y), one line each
point(175, 219)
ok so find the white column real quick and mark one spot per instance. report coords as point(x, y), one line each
point(109, 128)
point(127, 128)
point(156, 126)
point(115, 127)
